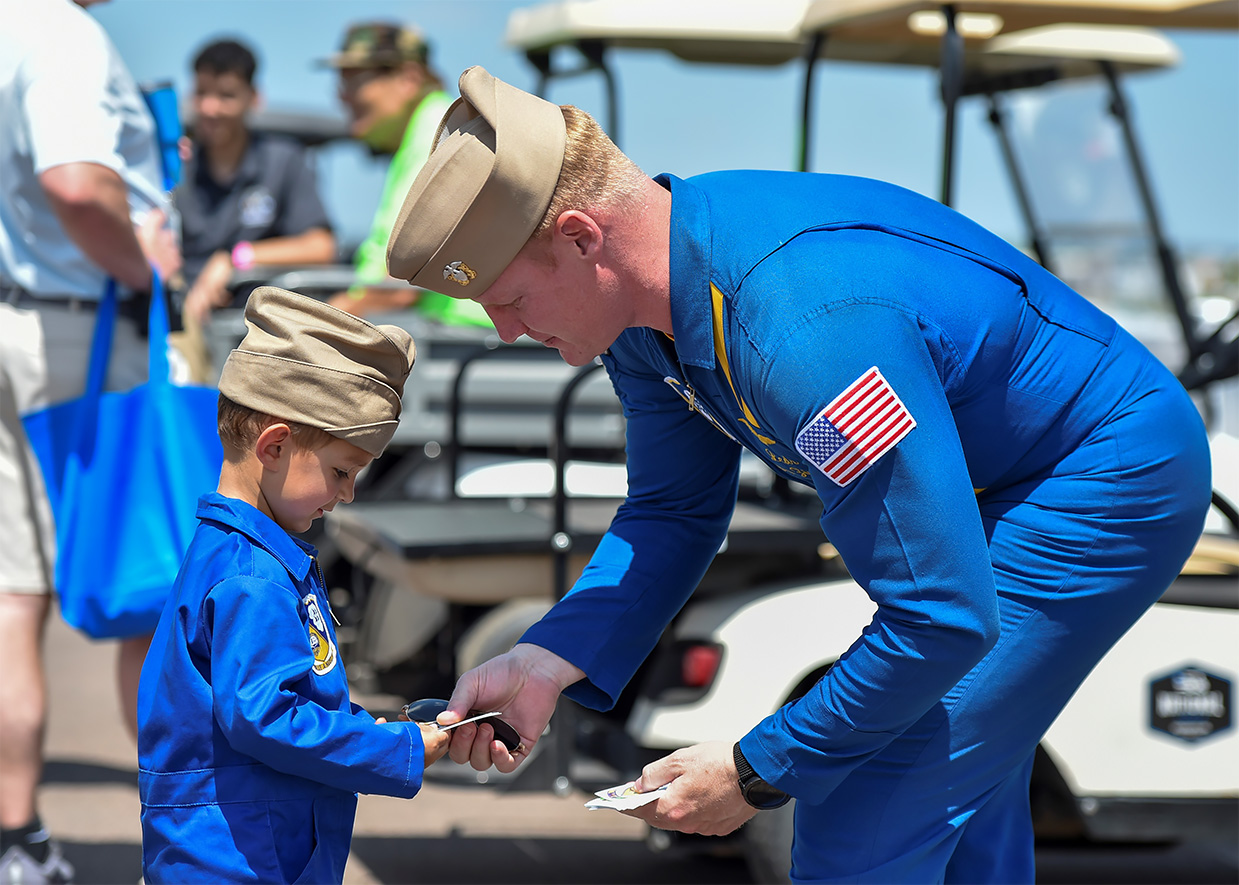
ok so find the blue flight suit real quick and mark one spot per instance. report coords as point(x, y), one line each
point(250, 753)
point(1041, 481)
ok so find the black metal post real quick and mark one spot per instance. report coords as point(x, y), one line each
point(998, 120)
point(812, 53)
point(454, 445)
point(595, 54)
point(1165, 255)
point(951, 72)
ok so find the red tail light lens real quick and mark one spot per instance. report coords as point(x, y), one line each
point(699, 665)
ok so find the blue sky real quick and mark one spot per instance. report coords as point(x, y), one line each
point(688, 119)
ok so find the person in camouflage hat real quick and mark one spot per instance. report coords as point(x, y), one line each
point(394, 100)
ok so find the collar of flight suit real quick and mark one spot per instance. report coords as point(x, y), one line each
point(294, 554)
point(692, 317)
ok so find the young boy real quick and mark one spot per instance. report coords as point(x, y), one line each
point(250, 752)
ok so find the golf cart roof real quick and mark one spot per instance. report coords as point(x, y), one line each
point(774, 32)
point(724, 31)
point(901, 21)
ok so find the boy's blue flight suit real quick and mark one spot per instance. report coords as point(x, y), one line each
point(1021, 481)
point(250, 753)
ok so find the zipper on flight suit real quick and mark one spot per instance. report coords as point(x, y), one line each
point(323, 583)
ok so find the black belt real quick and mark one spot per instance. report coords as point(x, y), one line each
point(129, 308)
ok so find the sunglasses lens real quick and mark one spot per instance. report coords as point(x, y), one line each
point(505, 734)
point(425, 710)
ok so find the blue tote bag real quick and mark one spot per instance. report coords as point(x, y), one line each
point(124, 471)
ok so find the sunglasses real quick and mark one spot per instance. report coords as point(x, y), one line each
point(428, 710)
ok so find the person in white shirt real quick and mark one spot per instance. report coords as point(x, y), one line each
point(81, 200)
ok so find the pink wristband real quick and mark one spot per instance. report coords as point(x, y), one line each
point(243, 255)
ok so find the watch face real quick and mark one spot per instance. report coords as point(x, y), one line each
point(760, 794)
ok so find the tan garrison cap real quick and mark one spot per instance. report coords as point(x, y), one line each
point(483, 191)
point(302, 360)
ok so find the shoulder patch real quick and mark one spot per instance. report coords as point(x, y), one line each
point(860, 425)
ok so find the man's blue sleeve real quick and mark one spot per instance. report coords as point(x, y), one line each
point(259, 661)
point(908, 527)
point(682, 481)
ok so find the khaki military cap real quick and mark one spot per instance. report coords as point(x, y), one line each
point(302, 360)
point(483, 191)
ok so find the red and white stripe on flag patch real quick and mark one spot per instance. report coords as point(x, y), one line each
point(858, 427)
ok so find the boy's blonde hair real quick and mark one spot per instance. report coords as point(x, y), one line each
point(240, 426)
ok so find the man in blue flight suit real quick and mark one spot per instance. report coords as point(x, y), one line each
point(1011, 477)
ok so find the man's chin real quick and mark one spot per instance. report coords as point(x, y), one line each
point(575, 358)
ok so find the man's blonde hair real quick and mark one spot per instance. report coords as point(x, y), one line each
point(595, 173)
point(240, 426)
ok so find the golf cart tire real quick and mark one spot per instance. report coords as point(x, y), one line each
point(497, 631)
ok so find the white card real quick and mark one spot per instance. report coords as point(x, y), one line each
point(624, 797)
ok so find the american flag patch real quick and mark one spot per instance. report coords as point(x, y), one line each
point(860, 426)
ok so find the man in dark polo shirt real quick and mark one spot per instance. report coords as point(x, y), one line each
point(245, 198)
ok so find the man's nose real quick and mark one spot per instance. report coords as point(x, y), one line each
point(507, 325)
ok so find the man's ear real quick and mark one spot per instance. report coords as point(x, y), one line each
point(580, 232)
point(273, 446)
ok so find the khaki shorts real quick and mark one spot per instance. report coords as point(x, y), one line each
point(44, 353)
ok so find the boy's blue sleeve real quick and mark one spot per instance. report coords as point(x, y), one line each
point(260, 671)
point(682, 481)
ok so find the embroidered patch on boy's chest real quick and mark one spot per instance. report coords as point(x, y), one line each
point(324, 650)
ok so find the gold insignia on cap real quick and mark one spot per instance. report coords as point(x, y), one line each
point(459, 272)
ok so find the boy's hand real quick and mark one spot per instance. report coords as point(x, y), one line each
point(434, 740)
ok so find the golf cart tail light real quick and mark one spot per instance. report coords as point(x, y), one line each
point(699, 665)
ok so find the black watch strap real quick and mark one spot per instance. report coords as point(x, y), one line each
point(755, 791)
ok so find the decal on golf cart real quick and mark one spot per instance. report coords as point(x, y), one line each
point(1190, 704)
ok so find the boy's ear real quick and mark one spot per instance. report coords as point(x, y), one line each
point(273, 445)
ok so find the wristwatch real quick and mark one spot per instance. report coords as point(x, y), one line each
point(756, 791)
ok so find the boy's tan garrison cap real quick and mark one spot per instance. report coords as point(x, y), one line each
point(302, 360)
point(482, 192)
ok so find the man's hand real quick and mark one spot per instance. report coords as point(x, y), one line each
point(210, 290)
point(434, 741)
point(704, 792)
point(523, 685)
point(159, 244)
